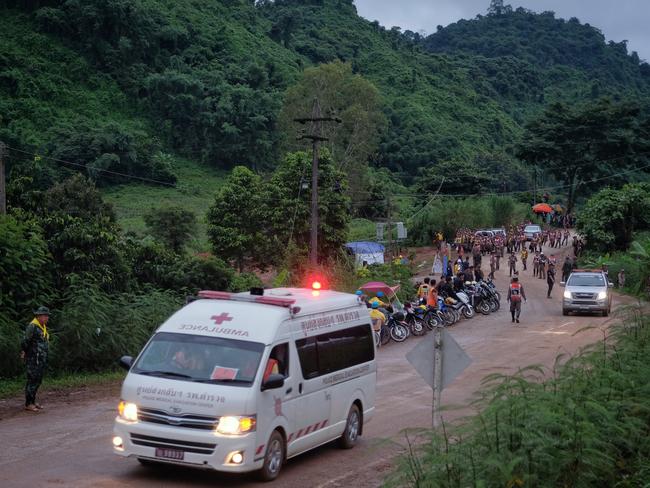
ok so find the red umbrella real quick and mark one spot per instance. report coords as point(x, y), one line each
point(542, 208)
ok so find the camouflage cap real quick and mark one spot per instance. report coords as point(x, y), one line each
point(42, 311)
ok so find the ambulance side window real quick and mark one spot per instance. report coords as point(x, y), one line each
point(280, 354)
point(308, 357)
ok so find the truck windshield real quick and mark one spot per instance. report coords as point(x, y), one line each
point(586, 280)
point(201, 359)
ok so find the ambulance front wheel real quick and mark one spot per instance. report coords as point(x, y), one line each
point(352, 428)
point(274, 457)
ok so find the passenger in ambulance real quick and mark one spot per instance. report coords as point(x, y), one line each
point(278, 362)
point(186, 358)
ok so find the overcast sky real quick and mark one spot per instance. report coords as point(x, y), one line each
point(617, 19)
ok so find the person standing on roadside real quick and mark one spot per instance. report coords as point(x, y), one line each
point(512, 262)
point(493, 264)
point(542, 266)
point(515, 294)
point(524, 257)
point(34, 351)
point(550, 278)
point(621, 278)
point(566, 268)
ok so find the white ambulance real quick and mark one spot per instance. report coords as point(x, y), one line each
point(242, 382)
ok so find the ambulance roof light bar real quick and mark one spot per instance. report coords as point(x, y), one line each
point(264, 300)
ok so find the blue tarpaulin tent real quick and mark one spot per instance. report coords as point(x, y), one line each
point(370, 252)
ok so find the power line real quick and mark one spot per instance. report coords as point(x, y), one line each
point(109, 172)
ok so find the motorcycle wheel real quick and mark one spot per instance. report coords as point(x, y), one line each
point(493, 305)
point(417, 327)
point(398, 333)
point(498, 302)
point(449, 317)
point(497, 295)
point(384, 336)
point(484, 307)
point(468, 311)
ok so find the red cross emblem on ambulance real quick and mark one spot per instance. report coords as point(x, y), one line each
point(221, 318)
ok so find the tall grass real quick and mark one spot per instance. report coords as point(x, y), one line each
point(585, 426)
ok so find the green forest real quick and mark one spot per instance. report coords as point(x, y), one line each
point(152, 148)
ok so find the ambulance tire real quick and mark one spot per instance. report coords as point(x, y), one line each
point(352, 428)
point(273, 458)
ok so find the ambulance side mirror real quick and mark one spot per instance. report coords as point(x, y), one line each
point(126, 362)
point(274, 381)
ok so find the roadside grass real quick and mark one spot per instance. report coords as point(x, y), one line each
point(197, 184)
point(15, 386)
point(584, 423)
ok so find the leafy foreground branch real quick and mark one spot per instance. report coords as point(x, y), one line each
point(587, 426)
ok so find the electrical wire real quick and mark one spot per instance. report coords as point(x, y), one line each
point(106, 171)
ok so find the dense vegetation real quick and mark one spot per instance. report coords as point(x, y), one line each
point(582, 424)
point(174, 95)
point(127, 84)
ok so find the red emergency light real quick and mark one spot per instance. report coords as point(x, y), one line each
point(316, 285)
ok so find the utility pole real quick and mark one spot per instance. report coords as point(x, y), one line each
point(316, 137)
point(390, 231)
point(3, 191)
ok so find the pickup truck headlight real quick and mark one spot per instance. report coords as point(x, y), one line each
point(602, 295)
point(567, 294)
point(234, 425)
point(128, 411)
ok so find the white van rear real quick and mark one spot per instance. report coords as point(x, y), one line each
point(240, 382)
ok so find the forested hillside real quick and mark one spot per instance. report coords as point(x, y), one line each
point(126, 85)
point(522, 57)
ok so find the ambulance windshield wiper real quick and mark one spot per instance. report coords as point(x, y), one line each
point(165, 373)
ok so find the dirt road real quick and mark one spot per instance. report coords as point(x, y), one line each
point(69, 443)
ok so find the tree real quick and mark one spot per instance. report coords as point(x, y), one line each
point(595, 141)
point(174, 226)
point(343, 94)
point(287, 198)
point(454, 178)
point(610, 218)
point(235, 223)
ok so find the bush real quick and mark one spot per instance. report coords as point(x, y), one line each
point(584, 427)
point(94, 329)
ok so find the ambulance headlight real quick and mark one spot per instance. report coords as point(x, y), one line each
point(232, 425)
point(567, 294)
point(128, 411)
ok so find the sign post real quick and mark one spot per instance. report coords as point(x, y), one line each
point(438, 359)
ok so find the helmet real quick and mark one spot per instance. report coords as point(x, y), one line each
point(358, 293)
point(374, 305)
point(380, 294)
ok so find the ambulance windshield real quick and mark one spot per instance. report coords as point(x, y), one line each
point(201, 359)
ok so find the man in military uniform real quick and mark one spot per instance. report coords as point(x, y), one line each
point(34, 349)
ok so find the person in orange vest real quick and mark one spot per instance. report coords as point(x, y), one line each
point(515, 294)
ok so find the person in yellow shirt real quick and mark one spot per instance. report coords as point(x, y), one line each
point(378, 300)
point(423, 290)
point(378, 319)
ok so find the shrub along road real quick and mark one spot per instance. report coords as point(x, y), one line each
point(69, 443)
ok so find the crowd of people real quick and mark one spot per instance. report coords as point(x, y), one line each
point(487, 249)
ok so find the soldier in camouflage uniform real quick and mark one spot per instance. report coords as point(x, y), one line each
point(35, 347)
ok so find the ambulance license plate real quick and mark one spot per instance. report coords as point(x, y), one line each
point(174, 454)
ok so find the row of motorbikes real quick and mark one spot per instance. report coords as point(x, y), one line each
point(417, 319)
